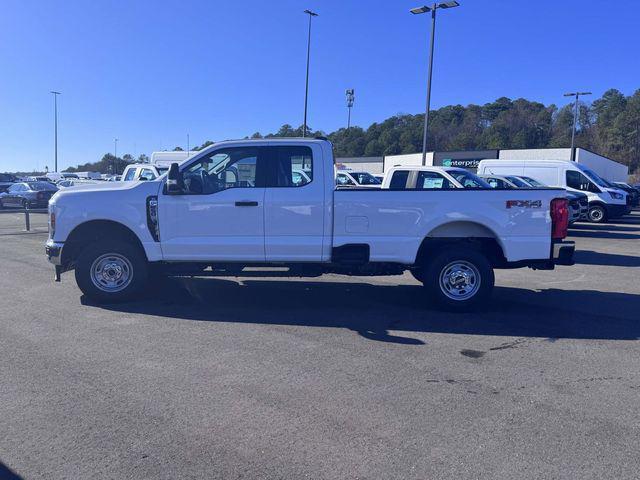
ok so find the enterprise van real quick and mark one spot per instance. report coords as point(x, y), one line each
point(604, 202)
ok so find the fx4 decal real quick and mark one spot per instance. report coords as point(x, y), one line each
point(524, 203)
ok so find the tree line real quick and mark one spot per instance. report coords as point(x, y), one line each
point(610, 126)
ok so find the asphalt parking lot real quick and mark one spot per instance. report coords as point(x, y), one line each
point(332, 377)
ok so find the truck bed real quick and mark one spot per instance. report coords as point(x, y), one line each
point(395, 222)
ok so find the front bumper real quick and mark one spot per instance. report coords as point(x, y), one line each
point(616, 211)
point(562, 252)
point(54, 252)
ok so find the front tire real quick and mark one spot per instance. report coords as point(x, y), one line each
point(111, 271)
point(597, 214)
point(459, 279)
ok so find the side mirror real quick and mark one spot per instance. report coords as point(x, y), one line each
point(175, 182)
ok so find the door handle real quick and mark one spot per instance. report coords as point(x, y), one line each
point(246, 204)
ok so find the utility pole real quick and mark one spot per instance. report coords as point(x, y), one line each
point(306, 86)
point(55, 128)
point(350, 98)
point(575, 121)
point(417, 11)
point(115, 156)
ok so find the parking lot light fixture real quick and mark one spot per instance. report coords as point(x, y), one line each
point(417, 11)
point(306, 87)
point(350, 93)
point(55, 128)
point(577, 95)
point(115, 156)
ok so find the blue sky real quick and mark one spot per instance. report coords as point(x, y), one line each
point(149, 72)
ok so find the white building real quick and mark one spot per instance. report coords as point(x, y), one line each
point(603, 166)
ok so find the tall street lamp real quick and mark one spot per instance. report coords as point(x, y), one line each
point(115, 156)
point(575, 120)
point(55, 128)
point(350, 98)
point(416, 11)
point(306, 87)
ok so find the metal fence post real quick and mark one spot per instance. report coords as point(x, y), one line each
point(27, 220)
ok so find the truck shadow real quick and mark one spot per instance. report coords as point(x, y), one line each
point(7, 474)
point(588, 257)
point(374, 310)
point(604, 228)
point(603, 234)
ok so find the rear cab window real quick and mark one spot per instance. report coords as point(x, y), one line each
point(399, 179)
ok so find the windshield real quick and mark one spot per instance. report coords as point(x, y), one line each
point(593, 176)
point(162, 170)
point(518, 182)
point(533, 182)
point(365, 178)
point(41, 186)
point(468, 179)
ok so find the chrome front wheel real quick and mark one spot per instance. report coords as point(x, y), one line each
point(111, 272)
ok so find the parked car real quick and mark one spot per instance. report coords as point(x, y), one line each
point(634, 193)
point(496, 181)
point(70, 182)
point(56, 176)
point(431, 178)
point(6, 180)
point(27, 195)
point(203, 214)
point(142, 171)
point(604, 202)
point(348, 178)
point(379, 176)
point(511, 181)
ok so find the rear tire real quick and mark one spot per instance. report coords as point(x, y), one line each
point(459, 279)
point(111, 271)
point(597, 214)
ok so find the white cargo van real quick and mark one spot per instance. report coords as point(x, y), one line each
point(604, 202)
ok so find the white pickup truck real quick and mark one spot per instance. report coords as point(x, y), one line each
point(236, 205)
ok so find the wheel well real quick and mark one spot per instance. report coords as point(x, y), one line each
point(489, 246)
point(94, 230)
point(597, 203)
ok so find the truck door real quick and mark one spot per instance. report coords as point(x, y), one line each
point(294, 203)
point(220, 216)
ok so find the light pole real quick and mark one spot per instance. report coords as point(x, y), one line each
point(115, 156)
point(417, 11)
point(350, 98)
point(187, 145)
point(55, 128)
point(575, 120)
point(306, 86)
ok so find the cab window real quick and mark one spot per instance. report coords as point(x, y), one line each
point(399, 179)
point(342, 179)
point(223, 169)
point(146, 174)
point(289, 166)
point(578, 181)
point(432, 181)
point(131, 173)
